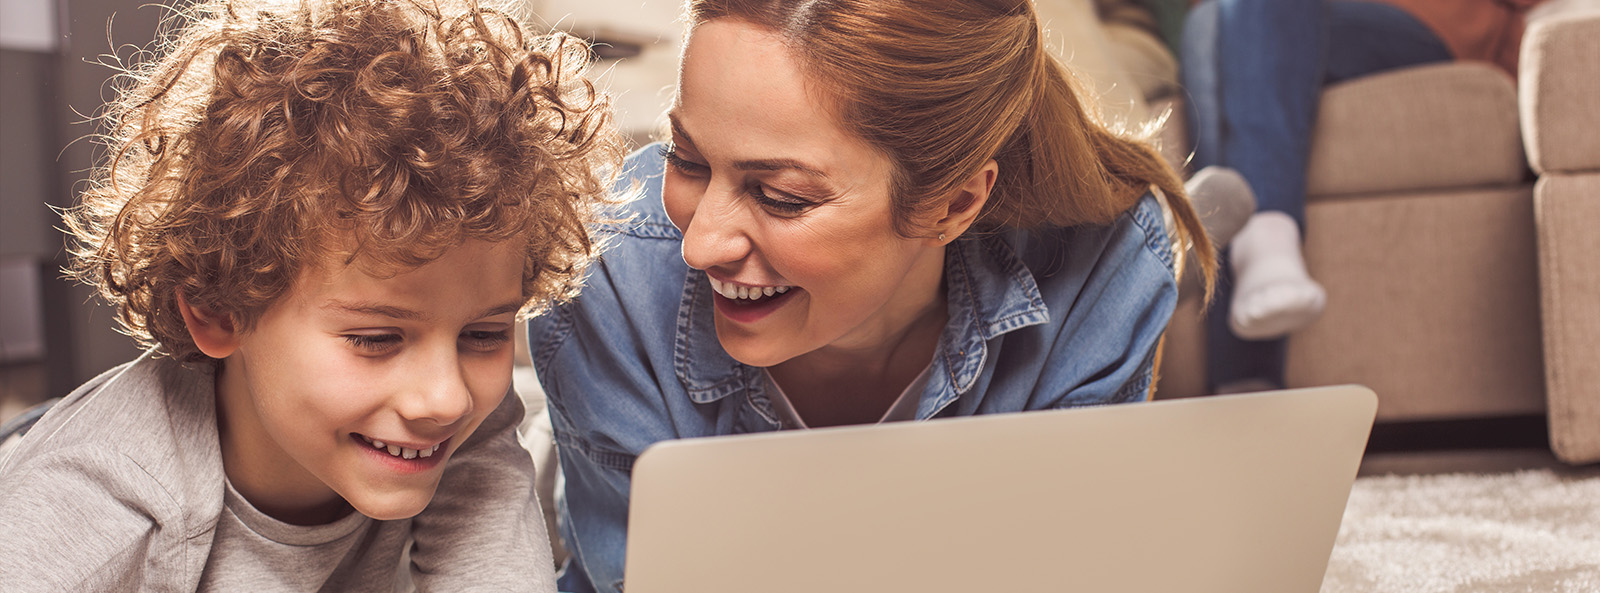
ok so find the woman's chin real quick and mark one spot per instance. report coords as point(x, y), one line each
point(753, 349)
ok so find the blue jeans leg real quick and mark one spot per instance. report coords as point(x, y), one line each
point(1254, 70)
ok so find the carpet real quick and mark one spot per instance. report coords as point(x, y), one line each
point(1526, 531)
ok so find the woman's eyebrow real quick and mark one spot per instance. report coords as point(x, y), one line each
point(751, 164)
point(778, 165)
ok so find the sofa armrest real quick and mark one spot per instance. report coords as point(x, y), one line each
point(1559, 88)
point(1566, 212)
point(1560, 111)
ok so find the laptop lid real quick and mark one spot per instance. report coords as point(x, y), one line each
point(1236, 494)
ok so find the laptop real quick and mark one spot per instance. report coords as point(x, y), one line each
point(1235, 494)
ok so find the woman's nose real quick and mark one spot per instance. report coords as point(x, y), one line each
point(719, 231)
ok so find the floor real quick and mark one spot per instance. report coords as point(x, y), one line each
point(1473, 461)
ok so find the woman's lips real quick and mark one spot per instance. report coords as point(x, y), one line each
point(746, 306)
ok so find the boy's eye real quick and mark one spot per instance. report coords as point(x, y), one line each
point(374, 343)
point(485, 340)
point(682, 165)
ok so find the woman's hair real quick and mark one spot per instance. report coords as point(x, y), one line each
point(943, 86)
point(273, 136)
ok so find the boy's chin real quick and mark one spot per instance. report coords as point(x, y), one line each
point(389, 506)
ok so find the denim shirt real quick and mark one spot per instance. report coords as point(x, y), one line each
point(1039, 319)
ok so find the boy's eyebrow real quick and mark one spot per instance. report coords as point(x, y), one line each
point(375, 309)
point(753, 164)
point(500, 310)
point(410, 315)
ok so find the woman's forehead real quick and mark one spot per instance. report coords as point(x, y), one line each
point(743, 96)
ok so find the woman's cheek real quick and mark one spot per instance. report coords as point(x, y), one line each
point(680, 200)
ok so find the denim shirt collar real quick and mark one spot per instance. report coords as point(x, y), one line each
point(988, 290)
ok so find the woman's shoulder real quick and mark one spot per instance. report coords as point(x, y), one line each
point(1137, 238)
point(641, 214)
point(638, 278)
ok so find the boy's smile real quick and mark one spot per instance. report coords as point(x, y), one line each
point(357, 388)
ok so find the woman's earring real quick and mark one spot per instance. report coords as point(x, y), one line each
point(941, 237)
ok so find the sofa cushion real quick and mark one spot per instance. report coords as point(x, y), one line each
point(1430, 127)
point(1561, 93)
point(1433, 302)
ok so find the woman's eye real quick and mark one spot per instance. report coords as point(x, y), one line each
point(373, 343)
point(682, 165)
point(483, 340)
point(778, 201)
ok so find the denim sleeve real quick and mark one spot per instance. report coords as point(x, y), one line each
point(604, 360)
point(1105, 350)
point(593, 501)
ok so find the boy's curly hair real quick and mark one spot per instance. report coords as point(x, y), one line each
point(277, 135)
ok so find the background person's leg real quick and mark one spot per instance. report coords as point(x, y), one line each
point(1253, 69)
point(1256, 69)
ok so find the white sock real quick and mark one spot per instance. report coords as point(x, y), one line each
point(1273, 295)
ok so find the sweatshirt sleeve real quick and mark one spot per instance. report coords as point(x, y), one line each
point(483, 530)
point(87, 519)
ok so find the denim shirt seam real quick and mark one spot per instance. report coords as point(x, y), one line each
point(1138, 387)
point(1036, 312)
point(699, 388)
point(1156, 239)
point(559, 331)
point(600, 456)
point(968, 346)
point(641, 229)
point(757, 397)
point(965, 347)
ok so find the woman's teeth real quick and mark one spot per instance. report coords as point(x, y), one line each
point(733, 291)
point(401, 452)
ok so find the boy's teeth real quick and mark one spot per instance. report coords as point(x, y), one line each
point(399, 451)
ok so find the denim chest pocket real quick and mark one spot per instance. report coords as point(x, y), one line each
point(603, 456)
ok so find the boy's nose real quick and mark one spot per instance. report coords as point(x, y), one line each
point(438, 393)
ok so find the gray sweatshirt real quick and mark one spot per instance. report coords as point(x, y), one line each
point(121, 488)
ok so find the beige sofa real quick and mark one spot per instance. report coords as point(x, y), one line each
point(1438, 244)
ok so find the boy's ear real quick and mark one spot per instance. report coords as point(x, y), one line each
point(964, 204)
point(213, 332)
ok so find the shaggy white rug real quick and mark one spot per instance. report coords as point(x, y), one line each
point(1534, 531)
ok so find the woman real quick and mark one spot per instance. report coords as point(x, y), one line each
point(869, 211)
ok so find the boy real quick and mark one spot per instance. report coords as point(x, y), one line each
point(323, 217)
